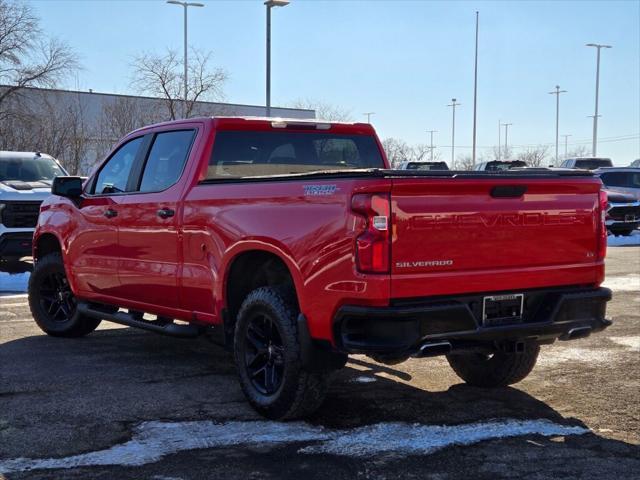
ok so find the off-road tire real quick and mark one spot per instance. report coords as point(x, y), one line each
point(300, 392)
point(498, 370)
point(67, 323)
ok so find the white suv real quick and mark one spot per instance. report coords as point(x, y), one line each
point(25, 181)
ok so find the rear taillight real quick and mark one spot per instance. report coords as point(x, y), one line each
point(602, 226)
point(373, 246)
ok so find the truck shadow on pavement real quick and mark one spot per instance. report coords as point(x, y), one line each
point(128, 377)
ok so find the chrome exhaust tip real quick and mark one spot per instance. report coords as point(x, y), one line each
point(433, 349)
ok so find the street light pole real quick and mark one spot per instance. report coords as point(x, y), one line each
point(368, 114)
point(185, 5)
point(565, 144)
point(557, 93)
point(506, 139)
point(270, 4)
point(499, 140)
point(595, 115)
point(431, 132)
point(475, 96)
point(453, 130)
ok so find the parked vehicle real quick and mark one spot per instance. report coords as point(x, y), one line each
point(424, 166)
point(499, 165)
point(623, 213)
point(621, 179)
point(296, 244)
point(635, 163)
point(586, 163)
point(25, 181)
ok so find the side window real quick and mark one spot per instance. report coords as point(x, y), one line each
point(114, 175)
point(166, 160)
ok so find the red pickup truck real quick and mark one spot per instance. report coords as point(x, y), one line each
point(294, 244)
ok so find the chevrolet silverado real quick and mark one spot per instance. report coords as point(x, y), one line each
point(294, 244)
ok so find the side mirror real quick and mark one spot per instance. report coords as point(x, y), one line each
point(70, 187)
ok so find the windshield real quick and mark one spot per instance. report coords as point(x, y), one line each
point(29, 169)
point(505, 165)
point(593, 164)
point(621, 179)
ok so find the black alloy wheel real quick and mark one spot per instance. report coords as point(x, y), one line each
point(264, 354)
point(53, 305)
point(56, 298)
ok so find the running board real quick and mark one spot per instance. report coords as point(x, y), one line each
point(123, 318)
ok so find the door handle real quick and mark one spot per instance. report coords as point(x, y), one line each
point(110, 213)
point(166, 213)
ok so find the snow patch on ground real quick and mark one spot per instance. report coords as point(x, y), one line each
point(364, 379)
point(406, 439)
point(632, 343)
point(14, 283)
point(153, 440)
point(553, 356)
point(624, 283)
point(633, 239)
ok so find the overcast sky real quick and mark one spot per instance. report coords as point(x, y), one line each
point(403, 60)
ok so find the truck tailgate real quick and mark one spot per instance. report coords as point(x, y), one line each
point(453, 235)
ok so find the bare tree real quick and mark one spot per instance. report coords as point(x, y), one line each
point(579, 151)
point(324, 111)
point(46, 123)
point(397, 151)
point(124, 115)
point(463, 162)
point(499, 152)
point(535, 156)
point(27, 57)
point(162, 75)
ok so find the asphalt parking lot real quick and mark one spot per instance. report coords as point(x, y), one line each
point(127, 404)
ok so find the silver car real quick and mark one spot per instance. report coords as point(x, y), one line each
point(621, 179)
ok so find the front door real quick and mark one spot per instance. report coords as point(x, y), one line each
point(93, 248)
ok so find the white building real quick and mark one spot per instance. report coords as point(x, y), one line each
point(80, 127)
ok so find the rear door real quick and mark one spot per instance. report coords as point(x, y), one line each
point(148, 221)
point(454, 235)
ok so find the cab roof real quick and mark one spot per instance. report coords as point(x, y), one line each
point(275, 124)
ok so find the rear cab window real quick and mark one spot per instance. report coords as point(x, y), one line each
point(593, 164)
point(242, 154)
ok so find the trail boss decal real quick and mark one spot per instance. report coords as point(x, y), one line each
point(319, 190)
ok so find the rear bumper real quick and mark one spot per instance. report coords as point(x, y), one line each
point(405, 326)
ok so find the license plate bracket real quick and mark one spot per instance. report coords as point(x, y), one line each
point(502, 309)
